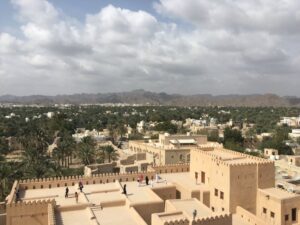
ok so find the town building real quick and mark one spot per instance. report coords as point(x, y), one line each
point(169, 149)
point(218, 187)
point(290, 121)
point(295, 134)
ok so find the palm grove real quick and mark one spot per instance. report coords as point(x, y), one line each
point(32, 132)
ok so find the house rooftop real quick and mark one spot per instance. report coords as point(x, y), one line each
point(189, 205)
point(231, 157)
point(277, 193)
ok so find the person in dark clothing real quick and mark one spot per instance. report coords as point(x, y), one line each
point(67, 192)
point(80, 188)
point(124, 190)
point(17, 195)
point(76, 197)
point(147, 180)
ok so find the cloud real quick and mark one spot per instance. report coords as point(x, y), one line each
point(243, 15)
point(206, 46)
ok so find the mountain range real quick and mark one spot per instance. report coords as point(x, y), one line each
point(151, 98)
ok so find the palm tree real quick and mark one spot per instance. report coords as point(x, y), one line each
point(110, 152)
point(86, 150)
point(64, 151)
point(4, 173)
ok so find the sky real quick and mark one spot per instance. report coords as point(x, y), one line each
point(214, 47)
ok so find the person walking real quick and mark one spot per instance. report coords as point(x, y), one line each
point(80, 186)
point(124, 190)
point(147, 180)
point(76, 196)
point(194, 214)
point(67, 192)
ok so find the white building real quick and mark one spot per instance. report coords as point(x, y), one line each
point(295, 134)
point(290, 121)
point(50, 114)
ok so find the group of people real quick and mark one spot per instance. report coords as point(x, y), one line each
point(140, 180)
point(80, 187)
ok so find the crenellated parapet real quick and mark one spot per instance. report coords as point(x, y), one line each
point(27, 212)
point(73, 180)
point(171, 168)
point(225, 219)
point(177, 222)
point(53, 182)
point(51, 214)
point(233, 158)
point(36, 203)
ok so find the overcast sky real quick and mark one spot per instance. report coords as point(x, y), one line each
point(176, 46)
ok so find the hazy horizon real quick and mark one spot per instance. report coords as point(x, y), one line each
point(185, 47)
point(156, 92)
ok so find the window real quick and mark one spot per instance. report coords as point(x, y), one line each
point(286, 217)
point(213, 209)
point(181, 157)
point(223, 209)
point(272, 214)
point(216, 192)
point(294, 214)
point(202, 177)
point(221, 195)
point(264, 210)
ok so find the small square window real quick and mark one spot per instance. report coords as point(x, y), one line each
point(272, 214)
point(216, 192)
point(264, 210)
point(286, 217)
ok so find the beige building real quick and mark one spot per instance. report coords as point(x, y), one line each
point(168, 149)
point(293, 160)
point(270, 153)
point(226, 173)
point(219, 187)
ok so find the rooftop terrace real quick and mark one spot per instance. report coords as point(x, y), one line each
point(278, 193)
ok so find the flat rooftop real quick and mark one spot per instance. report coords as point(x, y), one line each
point(115, 215)
point(141, 193)
point(93, 193)
point(277, 193)
point(74, 217)
point(167, 216)
point(189, 205)
point(185, 180)
point(232, 158)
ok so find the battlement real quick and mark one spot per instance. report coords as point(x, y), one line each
point(31, 203)
point(177, 222)
point(97, 178)
point(231, 158)
point(51, 215)
point(171, 168)
point(222, 219)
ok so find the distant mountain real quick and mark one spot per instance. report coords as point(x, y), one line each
point(152, 98)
